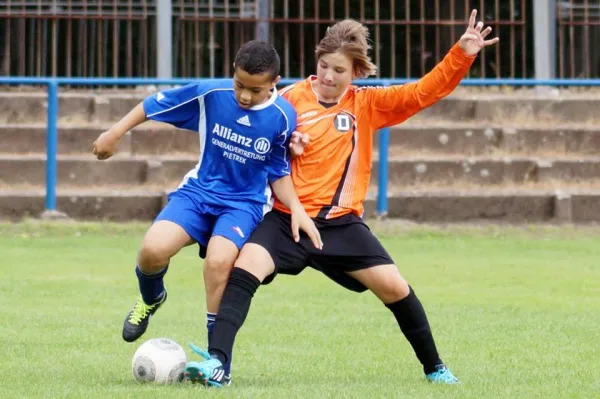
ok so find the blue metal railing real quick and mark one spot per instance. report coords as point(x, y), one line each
point(53, 84)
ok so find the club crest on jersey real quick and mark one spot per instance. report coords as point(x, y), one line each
point(343, 122)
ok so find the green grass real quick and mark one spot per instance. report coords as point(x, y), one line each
point(515, 311)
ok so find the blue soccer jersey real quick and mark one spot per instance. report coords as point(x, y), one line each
point(241, 150)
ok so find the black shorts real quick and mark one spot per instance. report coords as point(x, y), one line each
point(348, 245)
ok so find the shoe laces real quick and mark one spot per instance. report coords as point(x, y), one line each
point(140, 312)
point(445, 375)
point(208, 360)
point(200, 352)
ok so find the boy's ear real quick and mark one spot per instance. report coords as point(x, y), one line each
point(276, 80)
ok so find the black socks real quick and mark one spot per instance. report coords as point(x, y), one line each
point(232, 312)
point(414, 325)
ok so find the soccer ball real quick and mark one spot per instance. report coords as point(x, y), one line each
point(159, 360)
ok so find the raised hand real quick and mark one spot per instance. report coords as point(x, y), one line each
point(473, 40)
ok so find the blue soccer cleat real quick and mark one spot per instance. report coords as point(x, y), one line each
point(442, 375)
point(209, 372)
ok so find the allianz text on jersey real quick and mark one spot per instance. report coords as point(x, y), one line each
point(238, 147)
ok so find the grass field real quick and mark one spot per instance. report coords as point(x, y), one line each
point(516, 314)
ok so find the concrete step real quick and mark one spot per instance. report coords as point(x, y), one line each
point(84, 204)
point(108, 107)
point(516, 108)
point(123, 170)
point(405, 140)
point(449, 172)
point(505, 205)
point(489, 171)
point(31, 139)
point(86, 171)
point(73, 108)
point(150, 138)
point(516, 206)
point(471, 139)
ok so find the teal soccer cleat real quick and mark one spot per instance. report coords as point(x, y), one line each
point(209, 372)
point(442, 375)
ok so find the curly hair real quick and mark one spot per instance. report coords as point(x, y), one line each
point(257, 57)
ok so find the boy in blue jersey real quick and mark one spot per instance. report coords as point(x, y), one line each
point(244, 129)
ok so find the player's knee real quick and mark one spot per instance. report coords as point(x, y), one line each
point(152, 257)
point(255, 260)
point(218, 267)
point(388, 284)
point(393, 290)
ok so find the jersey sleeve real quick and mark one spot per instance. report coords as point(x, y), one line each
point(178, 107)
point(392, 105)
point(280, 155)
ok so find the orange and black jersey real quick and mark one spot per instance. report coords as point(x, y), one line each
point(332, 176)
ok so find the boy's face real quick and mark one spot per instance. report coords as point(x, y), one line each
point(251, 90)
point(334, 73)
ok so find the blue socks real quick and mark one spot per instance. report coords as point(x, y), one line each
point(151, 285)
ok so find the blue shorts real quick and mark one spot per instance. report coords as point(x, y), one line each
point(202, 221)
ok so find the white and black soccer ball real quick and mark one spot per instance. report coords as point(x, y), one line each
point(159, 360)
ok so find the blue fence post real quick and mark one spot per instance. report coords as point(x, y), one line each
point(51, 145)
point(382, 184)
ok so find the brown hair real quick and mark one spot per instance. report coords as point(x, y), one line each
point(350, 38)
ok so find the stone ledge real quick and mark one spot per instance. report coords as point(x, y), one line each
point(432, 206)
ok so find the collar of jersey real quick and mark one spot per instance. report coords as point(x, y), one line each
point(266, 103)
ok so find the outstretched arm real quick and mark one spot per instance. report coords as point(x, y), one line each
point(390, 106)
point(106, 144)
point(175, 106)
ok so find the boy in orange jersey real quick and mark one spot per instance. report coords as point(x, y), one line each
point(331, 176)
